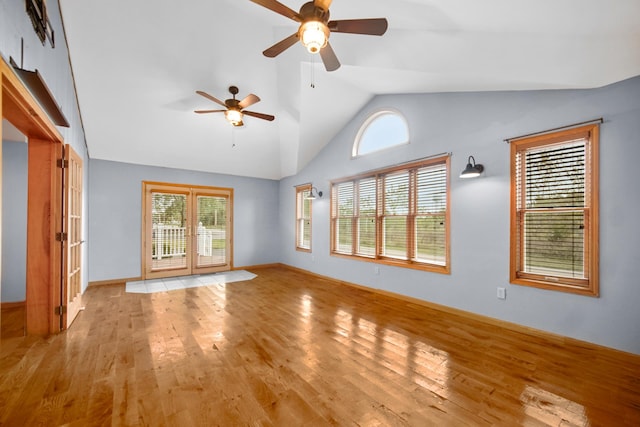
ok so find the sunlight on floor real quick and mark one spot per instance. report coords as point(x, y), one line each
point(184, 282)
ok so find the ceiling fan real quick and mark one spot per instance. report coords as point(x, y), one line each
point(315, 28)
point(235, 109)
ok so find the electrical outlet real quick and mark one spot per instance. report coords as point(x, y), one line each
point(502, 293)
point(376, 270)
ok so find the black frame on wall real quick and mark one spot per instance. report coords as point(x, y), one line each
point(37, 11)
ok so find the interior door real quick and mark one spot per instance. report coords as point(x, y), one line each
point(186, 230)
point(72, 240)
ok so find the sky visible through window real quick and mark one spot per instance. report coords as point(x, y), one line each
point(382, 130)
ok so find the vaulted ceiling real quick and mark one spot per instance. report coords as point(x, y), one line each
point(137, 65)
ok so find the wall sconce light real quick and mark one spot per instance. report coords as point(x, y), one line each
point(472, 170)
point(312, 195)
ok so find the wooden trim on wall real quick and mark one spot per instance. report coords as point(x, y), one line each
point(20, 108)
point(2, 64)
point(111, 282)
point(12, 305)
point(258, 266)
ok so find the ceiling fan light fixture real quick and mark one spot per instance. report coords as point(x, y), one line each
point(234, 116)
point(314, 35)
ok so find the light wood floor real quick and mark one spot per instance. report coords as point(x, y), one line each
point(12, 322)
point(288, 349)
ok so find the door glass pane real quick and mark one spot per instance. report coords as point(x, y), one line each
point(169, 220)
point(211, 231)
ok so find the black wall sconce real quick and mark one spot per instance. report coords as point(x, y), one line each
point(472, 170)
point(312, 195)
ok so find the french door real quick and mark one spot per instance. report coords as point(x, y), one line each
point(72, 240)
point(186, 229)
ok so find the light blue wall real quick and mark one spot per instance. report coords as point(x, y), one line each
point(14, 221)
point(115, 209)
point(476, 124)
point(53, 65)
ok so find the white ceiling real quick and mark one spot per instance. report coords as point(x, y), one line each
point(137, 65)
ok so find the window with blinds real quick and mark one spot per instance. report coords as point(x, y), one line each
point(303, 217)
point(395, 216)
point(554, 211)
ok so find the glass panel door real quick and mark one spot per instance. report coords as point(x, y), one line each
point(169, 232)
point(211, 231)
point(72, 245)
point(187, 230)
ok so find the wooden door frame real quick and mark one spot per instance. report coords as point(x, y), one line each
point(147, 189)
point(145, 238)
point(44, 204)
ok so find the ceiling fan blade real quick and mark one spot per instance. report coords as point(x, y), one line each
point(323, 4)
point(209, 97)
point(259, 115)
point(209, 111)
point(278, 7)
point(249, 100)
point(281, 46)
point(373, 27)
point(329, 58)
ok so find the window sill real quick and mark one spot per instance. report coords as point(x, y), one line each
point(433, 268)
point(590, 290)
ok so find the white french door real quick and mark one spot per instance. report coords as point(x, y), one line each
point(186, 229)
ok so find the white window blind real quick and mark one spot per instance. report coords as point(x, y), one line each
point(366, 222)
point(303, 218)
point(552, 211)
point(343, 198)
point(395, 216)
point(554, 242)
point(431, 209)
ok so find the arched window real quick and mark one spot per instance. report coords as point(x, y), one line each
point(382, 129)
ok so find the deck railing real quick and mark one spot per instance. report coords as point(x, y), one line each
point(170, 241)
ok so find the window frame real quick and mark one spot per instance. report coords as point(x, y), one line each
point(371, 119)
point(411, 260)
point(302, 192)
point(584, 286)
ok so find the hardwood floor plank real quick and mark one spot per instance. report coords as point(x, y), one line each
point(287, 348)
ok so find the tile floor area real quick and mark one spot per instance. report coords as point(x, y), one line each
point(184, 282)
